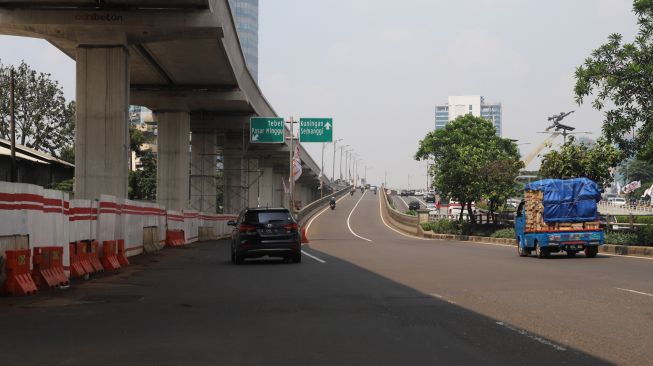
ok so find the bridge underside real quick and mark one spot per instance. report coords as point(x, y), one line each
point(181, 59)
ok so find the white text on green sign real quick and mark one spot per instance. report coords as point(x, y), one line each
point(266, 130)
point(316, 130)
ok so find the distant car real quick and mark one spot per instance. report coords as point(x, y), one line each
point(260, 232)
point(432, 207)
point(618, 201)
point(413, 206)
point(429, 198)
point(419, 193)
point(373, 188)
point(404, 193)
point(411, 193)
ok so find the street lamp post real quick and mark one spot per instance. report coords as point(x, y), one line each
point(333, 171)
point(341, 151)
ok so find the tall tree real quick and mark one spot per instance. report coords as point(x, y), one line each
point(470, 160)
point(44, 121)
point(142, 182)
point(620, 78)
point(575, 160)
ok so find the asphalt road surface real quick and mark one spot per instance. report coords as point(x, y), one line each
point(363, 295)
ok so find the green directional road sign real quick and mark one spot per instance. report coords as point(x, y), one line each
point(264, 130)
point(316, 130)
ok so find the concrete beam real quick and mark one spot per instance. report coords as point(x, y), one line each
point(173, 161)
point(191, 100)
point(101, 134)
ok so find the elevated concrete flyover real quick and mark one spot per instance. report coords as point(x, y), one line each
point(181, 59)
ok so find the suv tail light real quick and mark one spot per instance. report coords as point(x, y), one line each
point(291, 226)
point(243, 228)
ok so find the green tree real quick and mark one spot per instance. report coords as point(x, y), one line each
point(500, 173)
point(44, 121)
point(620, 78)
point(470, 161)
point(575, 160)
point(142, 182)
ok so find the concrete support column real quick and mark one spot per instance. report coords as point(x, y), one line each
point(173, 162)
point(203, 165)
point(254, 183)
point(102, 133)
point(235, 178)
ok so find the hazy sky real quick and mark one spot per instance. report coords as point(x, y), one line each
point(379, 67)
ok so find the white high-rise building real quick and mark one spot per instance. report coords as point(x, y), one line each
point(468, 104)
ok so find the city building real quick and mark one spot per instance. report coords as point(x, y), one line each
point(245, 14)
point(468, 104)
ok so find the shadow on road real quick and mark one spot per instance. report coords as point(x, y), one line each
point(194, 306)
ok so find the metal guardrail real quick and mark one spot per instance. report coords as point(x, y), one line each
point(642, 209)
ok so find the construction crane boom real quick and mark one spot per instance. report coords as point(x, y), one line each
point(533, 154)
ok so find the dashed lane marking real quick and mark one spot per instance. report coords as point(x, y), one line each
point(532, 336)
point(313, 257)
point(634, 292)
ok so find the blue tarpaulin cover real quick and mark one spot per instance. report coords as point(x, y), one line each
point(570, 200)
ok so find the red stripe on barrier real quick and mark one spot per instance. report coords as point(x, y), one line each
point(135, 248)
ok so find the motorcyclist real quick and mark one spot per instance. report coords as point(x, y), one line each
point(353, 190)
point(332, 202)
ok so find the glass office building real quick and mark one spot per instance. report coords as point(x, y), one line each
point(245, 14)
point(468, 104)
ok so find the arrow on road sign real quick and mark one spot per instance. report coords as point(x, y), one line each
point(327, 126)
point(255, 138)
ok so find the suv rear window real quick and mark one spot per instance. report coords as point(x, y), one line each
point(265, 217)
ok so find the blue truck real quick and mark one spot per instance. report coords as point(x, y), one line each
point(559, 216)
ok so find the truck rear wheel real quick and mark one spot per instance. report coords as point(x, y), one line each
point(590, 252)
point(541, 252)
point(522, 252)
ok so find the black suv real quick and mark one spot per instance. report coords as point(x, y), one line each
point(413, 206)
point(263, 232)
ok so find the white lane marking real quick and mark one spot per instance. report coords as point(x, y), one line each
point(404, 201)
point(625, 256)
point(532, 336)
point(321, 212)
point(635, 292)
point(438, 296)
point(393, 229)
point(313, 257)
point(349, 218)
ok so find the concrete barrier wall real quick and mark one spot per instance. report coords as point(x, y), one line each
point(40, 217)
point(398, 220)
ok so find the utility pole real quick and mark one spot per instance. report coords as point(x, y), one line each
point(291, 178)
point(322, 173)
point(341, 151)
point(12, 125)
point(333, 171)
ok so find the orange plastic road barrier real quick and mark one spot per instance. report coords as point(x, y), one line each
point(110, 259)
point(19, 281)
point(122, 256)
point(48, 267)
point(56, 264)
point(94, 256)
point(83, 254)
point(76, 268)
point(175, 238)
point(304, 237)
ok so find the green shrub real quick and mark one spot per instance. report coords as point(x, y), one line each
point(411, 212)
point(504, 233)
point(645, 235)
point(636, 219)
point(621, 238)
point(446, 227)
point(426, 226)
